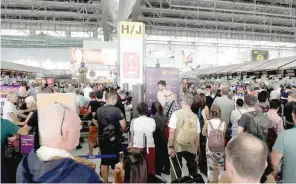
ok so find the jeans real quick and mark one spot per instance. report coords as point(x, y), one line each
point(190, 162)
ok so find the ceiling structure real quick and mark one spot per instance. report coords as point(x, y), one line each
point(264, 20)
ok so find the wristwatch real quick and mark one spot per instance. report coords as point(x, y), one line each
point(171, 146)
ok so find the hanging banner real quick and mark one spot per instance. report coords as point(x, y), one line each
point(154, 75)
point(259, 55)
point(131, 52)
point(5, 89)
point(186, 57)
point(240, 90)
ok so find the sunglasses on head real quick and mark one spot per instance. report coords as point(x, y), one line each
point(63, 116)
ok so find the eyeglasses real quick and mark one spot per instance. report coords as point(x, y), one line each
point(63, 116)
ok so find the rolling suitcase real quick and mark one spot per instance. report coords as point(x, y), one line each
point(195, 178)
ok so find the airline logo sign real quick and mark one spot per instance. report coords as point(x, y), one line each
point(131, 29)
point(259, 55)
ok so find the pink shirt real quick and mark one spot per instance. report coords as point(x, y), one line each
point(276, 120)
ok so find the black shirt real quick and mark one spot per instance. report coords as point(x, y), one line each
point(288, 109)
point(113, 115)
point(209, 101)
point(94, 105)
point(119, 105)
point(33, 123)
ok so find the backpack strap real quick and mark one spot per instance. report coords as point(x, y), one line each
point(210, 123)
point(220, 125)
point(249, 114)
point(167, 115)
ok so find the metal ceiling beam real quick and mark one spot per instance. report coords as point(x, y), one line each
point(51, 4)
point(83, 6)
point(238, 4)
point(22, 24)
point(149, 4)
point(213, 33)
point(234, 11)
point(198, 14)
point(218, 23)
point(47, 14)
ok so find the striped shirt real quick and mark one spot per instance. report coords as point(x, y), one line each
point(166, 108)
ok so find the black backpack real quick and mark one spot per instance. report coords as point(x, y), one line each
point(109, 130)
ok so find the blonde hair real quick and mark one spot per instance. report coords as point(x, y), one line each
point(11, 94)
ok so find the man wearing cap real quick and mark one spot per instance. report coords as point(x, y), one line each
point(59, 131)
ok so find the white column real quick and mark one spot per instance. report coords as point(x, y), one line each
point(131, 52)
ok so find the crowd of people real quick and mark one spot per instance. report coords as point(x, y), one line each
point(229, 139)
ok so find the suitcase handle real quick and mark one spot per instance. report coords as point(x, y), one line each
point(174, 170)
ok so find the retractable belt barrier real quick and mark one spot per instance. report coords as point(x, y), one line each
point(98, 156)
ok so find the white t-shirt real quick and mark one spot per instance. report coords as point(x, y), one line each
point(78, 102)
point(8, 108)
point(235, 116)
point(140, 126)
point(173, 123)
point(275, 94)
point(86, 92)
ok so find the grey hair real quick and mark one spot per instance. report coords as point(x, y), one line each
point(225, 91)
point(188, 98)
point(250, 100)
point(77, 91)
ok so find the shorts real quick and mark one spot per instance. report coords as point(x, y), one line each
point(213, 158)
point(93, 134)
point(111, 150)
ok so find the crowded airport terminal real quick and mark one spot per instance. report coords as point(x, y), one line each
point(148, 91)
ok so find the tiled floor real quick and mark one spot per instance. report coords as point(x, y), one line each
point(84, 151)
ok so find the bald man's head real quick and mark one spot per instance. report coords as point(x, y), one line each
point(59, 127)
point(247, 155)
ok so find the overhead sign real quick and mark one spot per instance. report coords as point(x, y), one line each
point(131, 29)
point(259, 55)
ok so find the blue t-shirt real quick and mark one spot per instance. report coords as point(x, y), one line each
point(286, 145)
